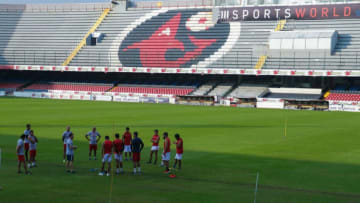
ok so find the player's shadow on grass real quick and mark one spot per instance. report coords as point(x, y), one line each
point(277, 175)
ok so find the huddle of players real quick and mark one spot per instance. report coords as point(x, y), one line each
point(26, 145)
point(128, 145)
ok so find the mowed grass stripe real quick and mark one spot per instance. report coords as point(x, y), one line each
point(318, 160)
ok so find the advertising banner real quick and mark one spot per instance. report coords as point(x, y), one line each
point(298, 12)
point(163, 100)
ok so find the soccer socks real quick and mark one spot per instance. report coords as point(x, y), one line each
point(119, 170)
point(139, 169)
point(134, 170)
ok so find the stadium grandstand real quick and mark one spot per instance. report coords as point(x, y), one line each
point(179, 101)
point(251, 53)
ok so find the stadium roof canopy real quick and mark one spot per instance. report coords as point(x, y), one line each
point(50, 1)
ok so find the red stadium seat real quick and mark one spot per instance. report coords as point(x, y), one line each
point(70, 87)
point(343, 97)
point(153, 90)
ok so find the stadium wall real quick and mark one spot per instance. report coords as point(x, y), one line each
point(115, 97)
point(261, 102)
point(202, 71)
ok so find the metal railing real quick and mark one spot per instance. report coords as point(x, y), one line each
point(232, 59)
point(142, 5)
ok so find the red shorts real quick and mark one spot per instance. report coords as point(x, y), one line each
point(32, 153)
point(26, 145)
point(93, 147)
point(21, 158)
point(136, 156)
point(64, 147)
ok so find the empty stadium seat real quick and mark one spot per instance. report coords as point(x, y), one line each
point(46, 38)
point(153, 90)
point(117, 24)
point(343, 97)
point(69, 87)
point(10, 85)
point(42, 38)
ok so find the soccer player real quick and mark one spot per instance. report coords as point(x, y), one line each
point(155, 146)
point(107, 148)
point(32, 147)
point(179, 150)
point(166, 153)
point(65, 136)
point(93, 140)
point(20, 154)
point(136, 146)
point(127, 137)
point(26, 141)
point(70, 153)
point(118, 150)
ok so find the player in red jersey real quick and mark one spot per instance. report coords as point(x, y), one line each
point(20, 153)
point(107, 148)
point(155, 146)
point(179, 150)
point(127, 137)
point(166, 153)
point(118, 150)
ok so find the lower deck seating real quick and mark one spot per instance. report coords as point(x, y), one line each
point(247, 91)
point(70, 87)
point(334, 96)
point(10, 85)
point(203, 89)
point(221, 89)
point(153, 90)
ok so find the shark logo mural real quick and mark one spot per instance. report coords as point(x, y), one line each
point(175, 39)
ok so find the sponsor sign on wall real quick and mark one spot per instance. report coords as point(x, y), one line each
point(306, 12)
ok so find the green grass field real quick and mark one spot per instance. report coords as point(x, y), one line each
point(317, 161)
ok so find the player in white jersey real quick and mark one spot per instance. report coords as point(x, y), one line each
point(32, 147)
point(65, 136)
point(93, 137)
point(70, 153)
point(20, 153)
point(26, 141)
